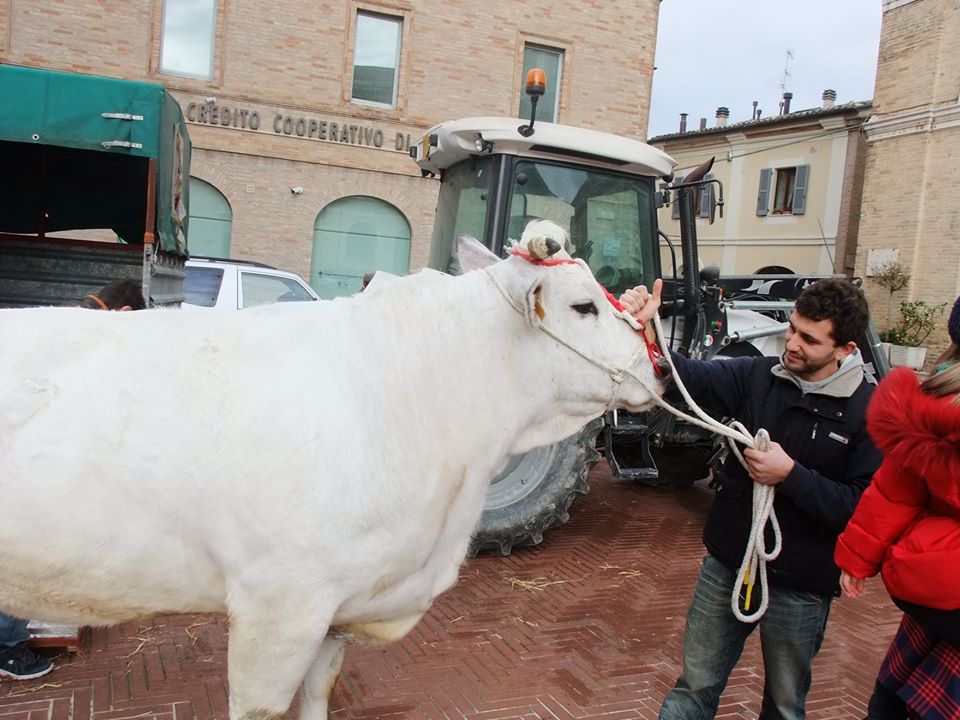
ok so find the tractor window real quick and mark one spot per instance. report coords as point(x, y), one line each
point(461, 210)
point(609, 217)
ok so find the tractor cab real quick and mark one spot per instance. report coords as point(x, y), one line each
point(495, 179)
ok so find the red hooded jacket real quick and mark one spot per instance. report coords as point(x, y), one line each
point(908, 521)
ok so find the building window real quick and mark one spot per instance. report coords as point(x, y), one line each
point(783, 196)
point(186, 44)
point(789, 190)
point(551, 61)
point(704, 199)
point(376, 59)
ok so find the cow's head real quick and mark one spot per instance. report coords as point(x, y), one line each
point(574, 339)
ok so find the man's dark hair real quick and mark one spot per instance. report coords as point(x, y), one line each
point(839, 300)
point(115, 296)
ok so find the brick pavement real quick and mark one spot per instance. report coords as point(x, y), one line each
point(587, 625)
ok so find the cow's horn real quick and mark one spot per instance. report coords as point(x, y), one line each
point(543, 247)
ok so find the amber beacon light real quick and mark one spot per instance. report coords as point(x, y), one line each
point(536, 87)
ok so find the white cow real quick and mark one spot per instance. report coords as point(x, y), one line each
point(313, 470)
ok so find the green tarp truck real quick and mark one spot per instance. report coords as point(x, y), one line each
point(94, 177)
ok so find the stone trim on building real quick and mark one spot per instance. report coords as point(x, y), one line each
point(924, 120)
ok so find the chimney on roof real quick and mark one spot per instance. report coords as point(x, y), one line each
point(755, 114)
point(829, 98)
point(683, 122)
point(723, 113)
point(785, 104)
point(703, 123)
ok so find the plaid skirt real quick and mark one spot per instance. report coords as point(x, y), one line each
point(923, 672)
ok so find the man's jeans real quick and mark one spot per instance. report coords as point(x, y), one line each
point(13, 631)
point(791, 632)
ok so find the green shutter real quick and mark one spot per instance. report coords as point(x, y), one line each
point(763, 194)
point(800, 189)
point(706, 194)
point(353, 236)
point(211, 221)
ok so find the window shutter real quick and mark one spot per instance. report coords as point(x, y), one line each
point(800, 189)
point(706, 194)
point(763, 195)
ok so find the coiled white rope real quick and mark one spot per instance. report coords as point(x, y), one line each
point(756, 556)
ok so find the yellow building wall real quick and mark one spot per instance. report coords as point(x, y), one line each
point(742, 242)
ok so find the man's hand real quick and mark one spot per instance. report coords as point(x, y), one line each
point(850, 585)
point(643, 305)
point(770, 467)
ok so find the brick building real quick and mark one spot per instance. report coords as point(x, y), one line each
point(910, 213)
point(301, 116)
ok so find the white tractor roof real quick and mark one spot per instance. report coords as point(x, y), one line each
point(456, 140)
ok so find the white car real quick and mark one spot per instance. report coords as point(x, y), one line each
point(237, 284)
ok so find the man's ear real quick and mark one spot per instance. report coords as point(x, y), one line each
point(844, 351)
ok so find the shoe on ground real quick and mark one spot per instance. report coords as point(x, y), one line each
point(19, 663)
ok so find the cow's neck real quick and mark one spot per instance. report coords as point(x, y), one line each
point(483, 386)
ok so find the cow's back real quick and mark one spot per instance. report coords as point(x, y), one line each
point(182, 448)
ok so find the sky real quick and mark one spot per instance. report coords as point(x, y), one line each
point(713, 53)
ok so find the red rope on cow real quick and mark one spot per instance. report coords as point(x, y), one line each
point(618, 306)
point(547, 262)
point(98, 301)
point(653, 349)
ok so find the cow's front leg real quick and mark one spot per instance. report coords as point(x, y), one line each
point(268, 655)
point(320, 679)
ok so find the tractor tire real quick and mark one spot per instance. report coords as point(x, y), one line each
point(534, 493)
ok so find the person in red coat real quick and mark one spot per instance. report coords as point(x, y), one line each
point(907, 527)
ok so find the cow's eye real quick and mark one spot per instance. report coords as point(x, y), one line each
point(587, 308)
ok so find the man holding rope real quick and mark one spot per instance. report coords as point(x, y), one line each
point(812, 401)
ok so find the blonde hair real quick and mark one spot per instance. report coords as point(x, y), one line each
point(947, 381)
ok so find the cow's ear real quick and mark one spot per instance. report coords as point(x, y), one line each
point(535, 312)
point(473, 254)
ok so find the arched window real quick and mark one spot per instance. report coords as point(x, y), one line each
point(210, 221)
point(356, 235)
point(773, 270)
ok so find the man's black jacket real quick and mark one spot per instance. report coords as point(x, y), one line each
point(823, 431)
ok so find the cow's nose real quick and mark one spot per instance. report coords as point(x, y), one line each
point(664, 371)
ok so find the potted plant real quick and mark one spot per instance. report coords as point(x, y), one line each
point(917, 320)
point(892, 277)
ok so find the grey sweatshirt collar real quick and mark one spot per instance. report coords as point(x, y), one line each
point(843, 383)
